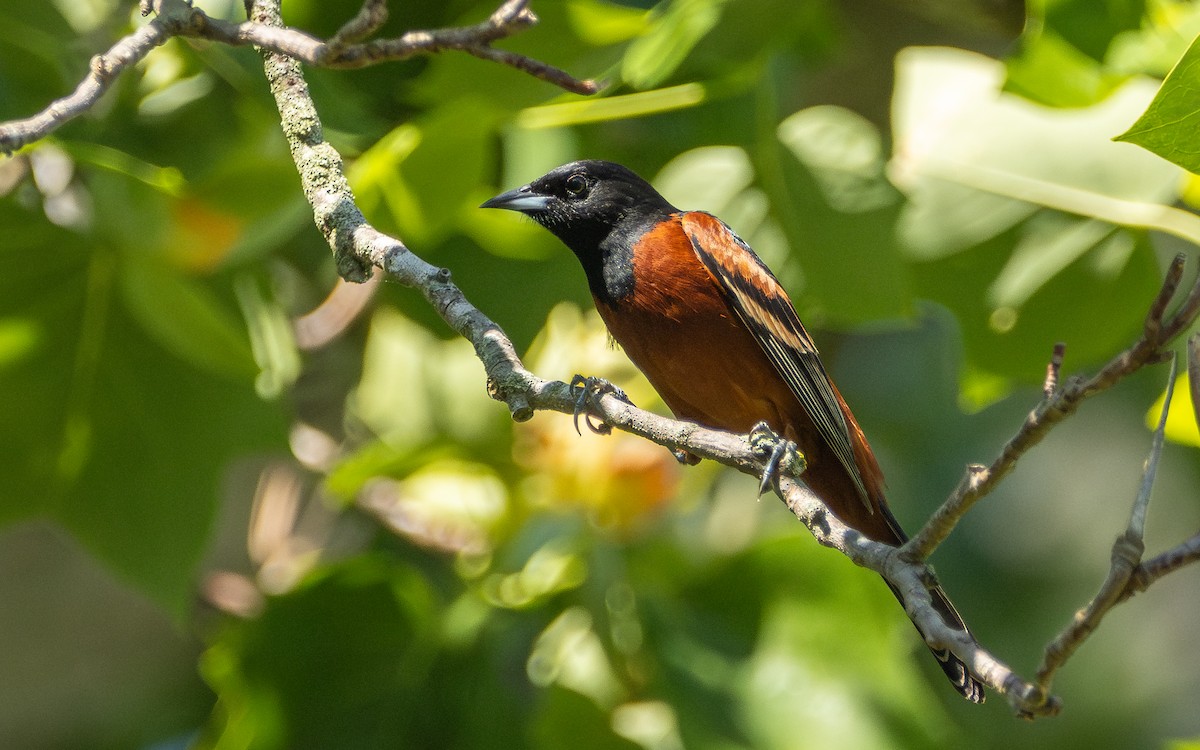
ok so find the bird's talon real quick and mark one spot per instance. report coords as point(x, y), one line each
point(591, 388)
point(781, 454)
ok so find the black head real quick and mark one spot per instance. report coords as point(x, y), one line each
point(584, 202)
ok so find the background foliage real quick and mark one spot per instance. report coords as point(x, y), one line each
point(216, 537)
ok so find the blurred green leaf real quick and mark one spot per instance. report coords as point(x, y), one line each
point(1090, 26)
point(625, 106)
point(1168, 126)
point(603, 23)
point(362, 631)
point(976, 187)
point(679, 27)
point(953, 166)
point(838, 218)
point(425, 172)
point(567, 719)
point(186, 318)
point(272, 339)
point(417, 388)
point(844, 152)
point(1050, 71)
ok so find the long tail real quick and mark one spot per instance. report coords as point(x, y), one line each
point(831, 482)
point(956, 671)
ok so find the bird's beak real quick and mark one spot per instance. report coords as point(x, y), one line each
point(521, 199)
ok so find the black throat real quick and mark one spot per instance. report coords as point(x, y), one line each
point(606, 250)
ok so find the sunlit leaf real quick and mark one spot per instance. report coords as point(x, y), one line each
point(602, 23)
point(1181, 421)
point(1168, 126)
point(978, 191)
point(620, 107)
point(962, 152)
point(416, 387)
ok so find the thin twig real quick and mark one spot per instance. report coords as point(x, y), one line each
point(1193, 368)
point(370, 18)
point(177, 18)
point(1053, 369)
point(1126, 556)
point(1183, 554)
point(103, 70)
point(1157, 332)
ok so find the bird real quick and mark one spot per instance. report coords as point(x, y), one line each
point(712, 329)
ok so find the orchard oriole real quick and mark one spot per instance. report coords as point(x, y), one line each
point(712, 329)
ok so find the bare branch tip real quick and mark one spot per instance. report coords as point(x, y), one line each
point(1053, 369)
point(1154, 326)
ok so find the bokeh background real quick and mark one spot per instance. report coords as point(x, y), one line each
point(246, 507)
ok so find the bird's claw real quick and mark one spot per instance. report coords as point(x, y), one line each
point(781, 455)
point(591, 388)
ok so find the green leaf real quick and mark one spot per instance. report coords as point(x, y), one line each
point(828, 193)
point(1029, 273)
point(1050, 71)
point(186, 318)
point(407, 171)
point(603, 23)
point(654, 57)
point(1169, 125)
point(416, 387)
point(568, 719)
point(1090, 26)
point(361, 632)
point(123, 444)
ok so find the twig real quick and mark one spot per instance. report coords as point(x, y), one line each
point(1126, 555)
point(1053, 369)
point(104, 68)
point(1155, 568)
point(1188, 551)
point(177, 18)
point(1157, 332)
point(1193, 368)
point(369, 19)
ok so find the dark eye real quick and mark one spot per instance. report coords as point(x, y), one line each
point(576, 185)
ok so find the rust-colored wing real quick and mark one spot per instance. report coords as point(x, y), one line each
point(755, 295)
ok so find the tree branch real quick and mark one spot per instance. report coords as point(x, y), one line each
point(1126, 556)
point(103, 71)
point(1059, 403)
point(359, 249)
point(177, 18)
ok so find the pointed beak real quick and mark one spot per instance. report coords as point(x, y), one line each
point(521, 199)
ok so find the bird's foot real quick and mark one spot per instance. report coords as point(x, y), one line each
point(781, 455)
point(591, 388)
